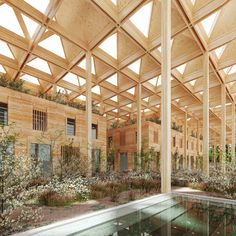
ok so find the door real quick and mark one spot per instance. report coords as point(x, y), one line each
point(123, 161)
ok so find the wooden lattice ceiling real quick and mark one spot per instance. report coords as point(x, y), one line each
point(44, 42)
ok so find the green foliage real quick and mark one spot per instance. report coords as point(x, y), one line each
point(61, 98)
point(176, 127)
point(156, 120)
point(111, 154)
point(17, 85)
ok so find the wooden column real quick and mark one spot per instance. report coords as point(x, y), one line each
point(185, 140)
point(233, 133)
point(206, 114)
point(223, 127)
point(89, 111)
point(139, 125)
point(166, 96)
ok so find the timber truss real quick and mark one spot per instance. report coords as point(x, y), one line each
point(44, 42)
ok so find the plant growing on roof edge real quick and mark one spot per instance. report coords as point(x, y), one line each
point(17, 85)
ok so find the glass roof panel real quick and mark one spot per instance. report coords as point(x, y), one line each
point(181, 68)
point(9, 21)
point(30, 79)
point(115, 99)
point(5, 50)
point(54, 45)
point(40, 64)
point(82, 97)
point(39, 4)
point(131, 91)
point(30, 24)
point(82, 81)
point(209, 22)
point(115, 110)
point(82, 65)
point(153, 81)
point(146, 99)
point(71, 78)
point(114, 2)
point(61, 90)
point(2, 70)
point(219, 51)
point(96, 89)
point(135, 66)
point(232, 70)
point(141, 19)
point(129, 105)
point(113, 80)
point(193, 82)
point(159, 81)
point(110, 46)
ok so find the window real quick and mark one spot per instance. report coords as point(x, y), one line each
point(174, 141)
point(110, 141)
point(69, 153)
point(70, 126)
point(3, 114)
point(39, 120)
point(94, 131)
point(136, 137)
point(155, 137)
point(42, 152)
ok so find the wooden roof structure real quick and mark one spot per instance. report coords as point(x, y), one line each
point(45, 41)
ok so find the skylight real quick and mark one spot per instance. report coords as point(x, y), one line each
point(232, 70)
point(9, 21)
point(40, 64)
point(177, 100)
point(193, 2)
point(209, 22)
point(53, 44)
point(110, 46)
point(146, 99)
point(96, 89)
point(82, 98)
point(82, 81)
point(141, 19)
point(153, 81)
point(113, 80)
point(82, 65)
point(159, 81)
point(115, 99)
point(39, 4)
point(71, 78)
point(115, 110)
point(192, 82)
point(30, 24)
point(146, 110)
point(30, 79)
point(5, 50)
point(219, 51)
point(181, 69)
point(131, 91)
point(135, 66)
point(2, 70)
point(114, 2)
point(129, 105)
point(61, 90)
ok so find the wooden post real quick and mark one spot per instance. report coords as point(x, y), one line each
point(89, 111)
point(223, 128)
point(166, 96)
point(139, 125)
point(206, 114)
point(233, 133)
point(185, 141)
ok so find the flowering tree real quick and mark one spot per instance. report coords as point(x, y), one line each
point(16, 175)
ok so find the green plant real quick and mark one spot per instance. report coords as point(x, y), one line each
point(17, 85)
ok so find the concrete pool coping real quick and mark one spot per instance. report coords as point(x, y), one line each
point(76, 224)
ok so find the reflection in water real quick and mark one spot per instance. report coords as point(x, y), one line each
point(176, 217)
